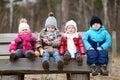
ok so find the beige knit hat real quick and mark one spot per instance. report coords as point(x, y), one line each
point(71, 22)
point(23, 26)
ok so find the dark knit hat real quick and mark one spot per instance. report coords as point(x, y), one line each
point(95, 19)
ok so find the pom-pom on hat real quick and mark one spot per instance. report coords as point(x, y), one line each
point(71, 22)
point(51, 20)
point(23, 20)
point(95, 19)
point(23, 26)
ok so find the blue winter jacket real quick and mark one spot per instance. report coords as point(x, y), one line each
point(100, 38)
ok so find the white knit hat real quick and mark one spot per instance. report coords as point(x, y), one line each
point(51, 20)
point(71, 22)
point(23, 26)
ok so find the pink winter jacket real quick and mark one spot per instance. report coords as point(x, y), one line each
point(26, 43)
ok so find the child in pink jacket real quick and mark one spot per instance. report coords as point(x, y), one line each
point(25, 43)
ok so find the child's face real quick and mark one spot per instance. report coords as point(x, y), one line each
point(96, 26)
point(24, 31)
point(70, 29)
point(50, 28)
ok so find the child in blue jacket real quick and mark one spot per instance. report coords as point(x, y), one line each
point(97, 40)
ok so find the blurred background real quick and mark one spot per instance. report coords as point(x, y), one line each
point(36, 12)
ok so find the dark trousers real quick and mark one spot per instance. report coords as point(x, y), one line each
point(97, 57)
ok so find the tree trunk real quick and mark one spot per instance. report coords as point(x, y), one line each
point(105, 10)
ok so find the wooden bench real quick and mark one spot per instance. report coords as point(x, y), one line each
point(24, 66)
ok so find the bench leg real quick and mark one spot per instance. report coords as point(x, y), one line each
point(21, 77)
point(12, 77)
point(80, 76)
point(68, 76)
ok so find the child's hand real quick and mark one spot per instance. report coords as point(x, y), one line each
point(12, 51)
point(91, 48)
point(37, 53)
point(42, 51)
point(99, 48)
point(46, 41)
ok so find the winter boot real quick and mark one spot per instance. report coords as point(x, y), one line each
point(66, 59)
point(60, 65)
point(31, 56)
point(103, 69)
point(94, 69)
point(45, 65)
point(79, 60)
point(13, 57)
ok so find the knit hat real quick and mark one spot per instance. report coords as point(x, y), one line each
point(23, 26)
point(71, 22)
point(51, 20)
point(95, 19)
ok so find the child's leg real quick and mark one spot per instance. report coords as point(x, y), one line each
point(30, 55)
point(56, 57)
point(67, 57)
point(103, 57)
point(78, 57)
point(58, 60)
point(45, 60)
point(15, 55)
point(18, 53)
point(92, 56)
point(103, 61)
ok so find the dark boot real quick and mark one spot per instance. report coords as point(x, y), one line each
point(94, 69)
point(13, 57)
point(66, 59)
point(45, 65)
point(60, 65)
point(31, 56)
point(103, 69)
point(79, 60)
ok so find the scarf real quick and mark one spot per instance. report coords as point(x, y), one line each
point(26, 41)
point(70, 44)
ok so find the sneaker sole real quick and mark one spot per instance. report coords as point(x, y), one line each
point(66, 59)
point(60, 65)
point(12, 57)
point(79, 61)
point(45, 65)
point(31, 56)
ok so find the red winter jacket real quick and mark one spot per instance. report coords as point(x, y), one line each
point(78, 43)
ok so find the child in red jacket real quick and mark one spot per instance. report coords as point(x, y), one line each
point(71, 44)
point(25, 43)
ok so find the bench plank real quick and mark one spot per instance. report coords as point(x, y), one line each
point(4, 50)
point(7, 37)
point(25, 66)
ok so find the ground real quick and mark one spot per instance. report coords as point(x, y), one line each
point(113, 75)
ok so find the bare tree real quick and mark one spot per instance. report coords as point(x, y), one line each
point(105, 10)
point(66, 10)
point(115, 13)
